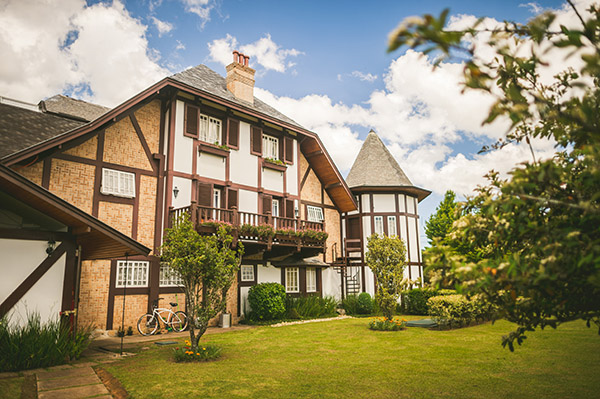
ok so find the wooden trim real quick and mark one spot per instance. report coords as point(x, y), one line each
point(270, 165)
point(407, 238)
point(313, 154)
point(119, 200)
point(160, 184)
point(308, 169)
point(98, 173)
point(34, 235)
point(46, 171)
point(136, 208)
point(115, 166)
point(212, 149)
point(153, 282)
point(171, 154)
point(140, 134)
point(33, 278)
point(69, 280)
point(110, 306)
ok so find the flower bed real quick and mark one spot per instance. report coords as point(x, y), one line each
point(384, 324)
point(203, 354)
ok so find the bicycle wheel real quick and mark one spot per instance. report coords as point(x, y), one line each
point(179, 321)
point(147, 324)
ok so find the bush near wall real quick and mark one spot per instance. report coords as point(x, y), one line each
point(267, 301)
point(310, 307)
point(459, 311)
point(414, 301)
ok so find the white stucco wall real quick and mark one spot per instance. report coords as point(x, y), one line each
point(212, 166)
point(244, 305)
point(291, 173)
point(365, 203)
point(384, 203)
point(272, 180)
point(184, 197)
point(331, 283)
point(243, 165)
point(183, 151)
point(248, 201)
point(401, 203)
point(19, 258)
point(268, 274)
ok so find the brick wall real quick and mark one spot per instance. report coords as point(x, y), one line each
point(118, 216)
point(332, 226)
point(32, 172)
point(73, 182)
point(147, 211)
point(93, 293)
point(122, 146)
point(148, 118)
point(86, 149)
point(135, 306)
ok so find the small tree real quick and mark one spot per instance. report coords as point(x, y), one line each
point(207, 266)
point(386, 257)
point(439, 224)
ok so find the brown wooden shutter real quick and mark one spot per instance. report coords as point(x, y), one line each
point(267, 204)
point(224, 132)
point(256, 145)
point(191, 120)
point(289, 150)
point(204, 194)
point(233, 131)
point(289, 208)
point(232, 198)
point(281, 149)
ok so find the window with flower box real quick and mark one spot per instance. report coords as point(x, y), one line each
point(270, 146)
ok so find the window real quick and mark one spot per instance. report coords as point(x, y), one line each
point(392, 231)
point(247, 272)
point(270, 147)
point(168, 277)
point(132, 274)
point(379, 225)
point(210, 129)
point(315, 214)
point(291, 279)
point(115, 182)
point(275, 208)
point(311, 279)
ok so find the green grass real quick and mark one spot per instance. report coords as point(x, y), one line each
point(345, 359)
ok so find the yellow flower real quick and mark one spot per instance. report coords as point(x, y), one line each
point(197, 354)
point(203, 349)
point(187, 342)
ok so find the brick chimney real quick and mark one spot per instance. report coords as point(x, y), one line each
point(240, 78)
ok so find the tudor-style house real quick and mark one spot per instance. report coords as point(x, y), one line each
point(194, 143)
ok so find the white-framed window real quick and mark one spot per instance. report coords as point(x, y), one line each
point(116, 182)
point(392, 230)
point(210, 129)
point(134, 273)
point(168, 277)
point(315, 213)
point(247, 273)
point(275, 208)
point(217, 198)
point(378, 224)
point(270, 146)
point(311, 279)
point(291, 279)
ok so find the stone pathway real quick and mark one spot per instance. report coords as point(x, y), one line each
point(291, 323)
point(71, 383)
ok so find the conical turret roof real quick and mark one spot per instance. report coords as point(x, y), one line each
point(376, 167)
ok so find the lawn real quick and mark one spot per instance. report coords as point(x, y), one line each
point(345, 359)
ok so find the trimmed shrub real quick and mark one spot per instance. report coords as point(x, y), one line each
point(267, 301)
point(364, 303)
point(310, 307)
point(459, 311)
point(414, 301)
point(38, 344)
point(350, 304)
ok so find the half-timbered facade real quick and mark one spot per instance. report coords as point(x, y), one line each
point(193, 143)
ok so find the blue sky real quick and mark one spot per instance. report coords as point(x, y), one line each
point(323, 63)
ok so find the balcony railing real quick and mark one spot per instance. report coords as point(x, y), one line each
point(285, 231)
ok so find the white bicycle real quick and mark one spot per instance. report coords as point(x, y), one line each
point(148, 324)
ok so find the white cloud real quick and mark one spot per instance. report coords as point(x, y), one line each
point(92, 52)
point(201, 8)
point(180, 46)
point(368, 77)
point(264, 52)
point(533, 7)
point(162, 26)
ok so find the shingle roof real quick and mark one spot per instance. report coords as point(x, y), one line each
point(375, 166)
point(71, 107)
point(21, 128)
point(203, 78)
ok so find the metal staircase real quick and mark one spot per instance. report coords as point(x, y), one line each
point(348, 270)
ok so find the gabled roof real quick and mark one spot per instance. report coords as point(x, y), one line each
point(376, 167)
point(72, 108)
point(21, 128)
point(97, 239)
point(203, 78)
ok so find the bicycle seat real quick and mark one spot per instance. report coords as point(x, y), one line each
point(173, 304)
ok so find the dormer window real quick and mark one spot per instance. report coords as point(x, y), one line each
point(270, 146)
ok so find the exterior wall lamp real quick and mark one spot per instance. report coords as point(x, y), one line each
point(175, 191)
point(51, 246)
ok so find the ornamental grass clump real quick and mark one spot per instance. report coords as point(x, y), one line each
point(202, 354)
point(385, 324)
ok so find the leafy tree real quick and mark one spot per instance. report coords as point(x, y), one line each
point(538, 232)
point(207, 266)
point(439, 224)
point(386, 258)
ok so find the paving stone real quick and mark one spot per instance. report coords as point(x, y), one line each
point(69, 373)
point(75, 392)
point(86, 379)
point(84, 364)
point(8, 375)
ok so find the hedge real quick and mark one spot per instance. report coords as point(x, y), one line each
point(415, 301)
point(267, 301)
point(458, 310)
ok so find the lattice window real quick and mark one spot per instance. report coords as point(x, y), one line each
point(132, 274)
point(116, 182)
point(247, 272)
point(270, 147)
point(210, 129)
point(315, 214)
point(378, 224)
point(168, 277)
point(392, 230)
point(311, 279)
point(291, 279)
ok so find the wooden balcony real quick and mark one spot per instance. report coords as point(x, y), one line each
point(263, 235)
